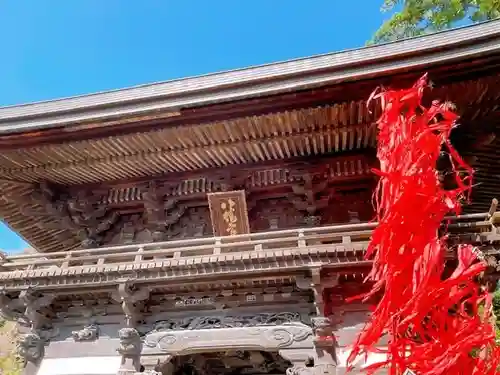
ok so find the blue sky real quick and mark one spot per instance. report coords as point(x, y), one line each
point(60, 48)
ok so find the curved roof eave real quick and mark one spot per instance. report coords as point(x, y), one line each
point(447, 46)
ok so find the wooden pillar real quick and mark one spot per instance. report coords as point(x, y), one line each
point(325, 346)
point(130, 341)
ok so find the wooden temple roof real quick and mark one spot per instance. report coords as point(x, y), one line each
point(284, 135)
point(290, 76)
point(265, 115)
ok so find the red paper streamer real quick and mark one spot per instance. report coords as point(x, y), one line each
point(435, 326)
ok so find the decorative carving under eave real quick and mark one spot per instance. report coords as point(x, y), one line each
point(129, 227)
point(91, 217)
point(227, 181)
point(275, 213)
point(13, 309)
point(130, 342)
point(312, 220)
point(160, 213)
point(129, 297)
point(194, 223)
point(88, 333)
point(30, 347)
point(25, 308)
point(82, 214)
point(33, 302)
point(52, 212)
point(224, 321)
point(307, 195)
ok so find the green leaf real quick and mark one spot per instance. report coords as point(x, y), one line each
point(418, 17)
point(9, 361)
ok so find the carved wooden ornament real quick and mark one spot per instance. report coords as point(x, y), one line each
point(229, 213)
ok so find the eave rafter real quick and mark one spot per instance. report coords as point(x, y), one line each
point(306, 132)
point(252, 139)
point(233, 144)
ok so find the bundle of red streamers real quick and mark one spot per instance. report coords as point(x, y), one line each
point(434, 325)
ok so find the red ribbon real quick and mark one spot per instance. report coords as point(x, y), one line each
point(433, 324)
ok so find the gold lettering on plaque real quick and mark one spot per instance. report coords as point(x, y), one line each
point(229, 216)
point(228, 212)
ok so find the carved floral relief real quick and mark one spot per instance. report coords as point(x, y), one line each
point(265, 337)
point(231, 321)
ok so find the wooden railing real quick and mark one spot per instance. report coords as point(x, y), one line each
point(341, 239)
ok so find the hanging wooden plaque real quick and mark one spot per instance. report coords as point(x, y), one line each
point(229, 213)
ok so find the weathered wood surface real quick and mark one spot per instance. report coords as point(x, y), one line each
point(208, 157)
point(229, 213)
point(279, 196)
point(219, 257)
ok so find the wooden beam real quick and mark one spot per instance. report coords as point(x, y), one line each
point(340, 92)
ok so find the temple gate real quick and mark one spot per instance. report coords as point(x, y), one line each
point(218, 226)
